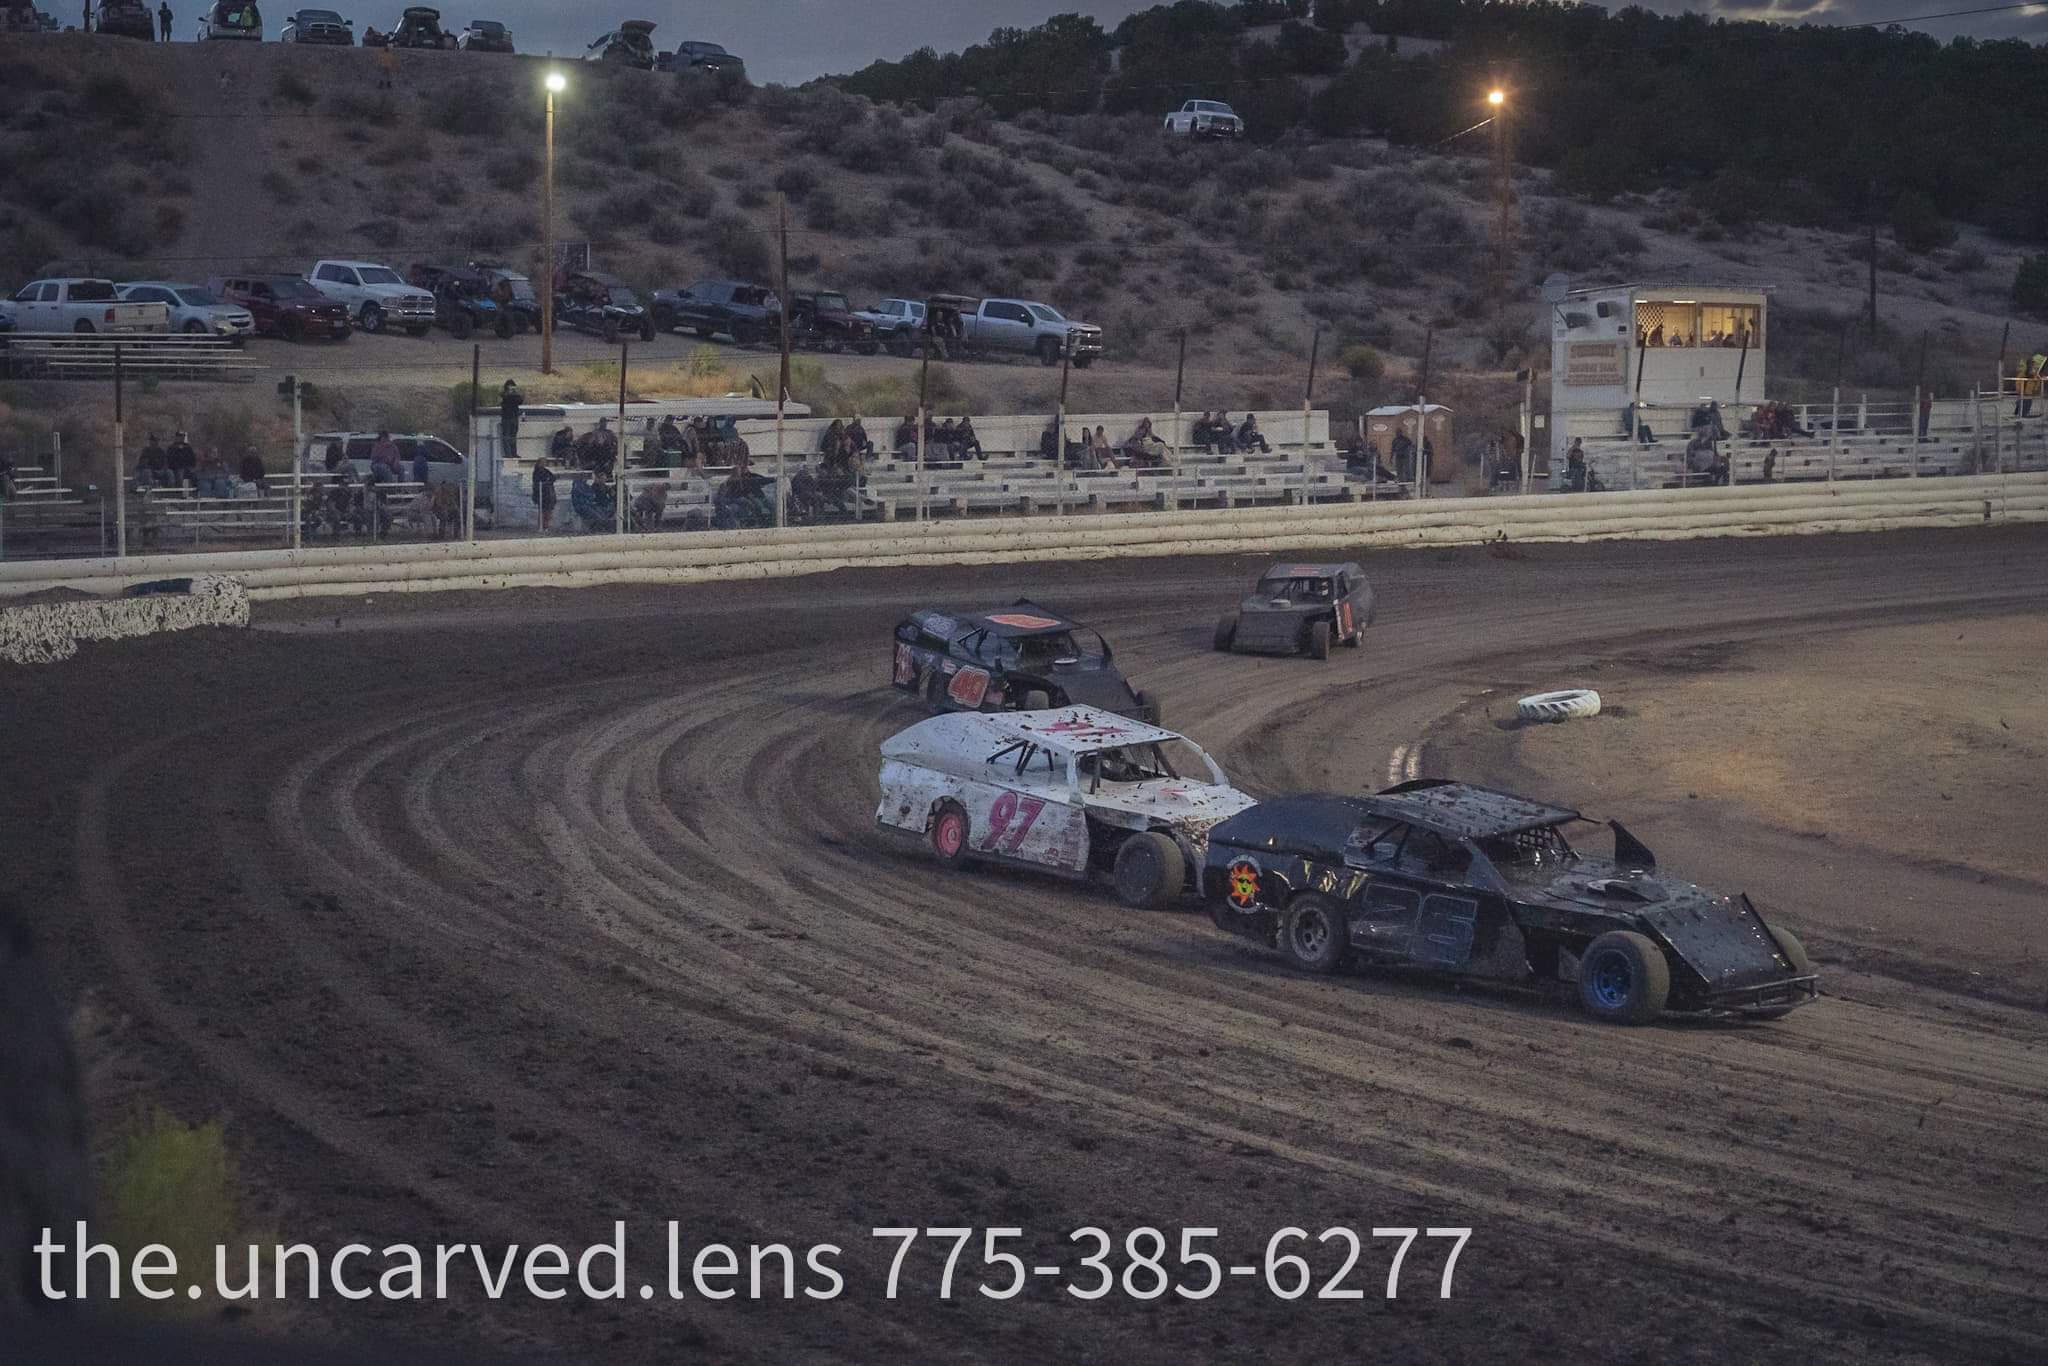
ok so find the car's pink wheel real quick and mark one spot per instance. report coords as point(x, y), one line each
point(949, 833)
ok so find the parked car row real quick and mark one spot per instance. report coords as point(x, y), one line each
point(959, 326)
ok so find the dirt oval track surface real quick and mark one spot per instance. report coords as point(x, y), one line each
point(498, 918)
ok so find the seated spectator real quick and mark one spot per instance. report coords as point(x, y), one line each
point(645, 512)
point(742, 500)
point(251, 472)
point(421, 468)
point(1703, 463)
point(1633, 424)
point(857, 437)
point(648, 456)
point(832, 441)
point(671, 440)
point(1142, 448)
point(966, 442)
point(806, 497)
point(1099, 447)
point(384, 467)
point(1049, 441)
point(1203, 433)
point(905, 440)
point(562, 446)
point(1249, 436)
point(182, 461)
point(939, 443)
point(598, 448)
point(839, 474)
point(593, 501)
point(214, 478)
point(153, 470)
point(1359, 459)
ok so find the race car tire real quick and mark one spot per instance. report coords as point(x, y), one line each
point(1148, 872)
point(1795, 954)
point(1624, 978)
point(1319, 639)
point(950, 832)
point(1226, 630)
point(1148, 706)
point(1569, 705)
point(1312, 935)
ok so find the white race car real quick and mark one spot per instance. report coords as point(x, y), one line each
point(1074, 790)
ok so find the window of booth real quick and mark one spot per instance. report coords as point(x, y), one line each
point(1692, 322)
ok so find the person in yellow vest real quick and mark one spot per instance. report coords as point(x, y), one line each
point(2030, 384)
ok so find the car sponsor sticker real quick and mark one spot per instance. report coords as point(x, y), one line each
point(1344, 618)
point(1024, 621)
point(906, 664)
point(968, 687)
point(1078, 729)
point(1241, 884)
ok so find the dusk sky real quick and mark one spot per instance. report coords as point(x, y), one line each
point(791, 41)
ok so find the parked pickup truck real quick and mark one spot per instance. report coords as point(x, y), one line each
point(747, 313)
point(1016, 325)
point(895, 322)
point(375, 294)
point(72, 305)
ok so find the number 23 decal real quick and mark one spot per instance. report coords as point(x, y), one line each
point(1008, 808)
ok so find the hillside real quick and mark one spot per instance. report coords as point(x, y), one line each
point(187, 160)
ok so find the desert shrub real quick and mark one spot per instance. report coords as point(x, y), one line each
point(472, 108)
point(883, 143)
point(821, 211)
point(381, 233)
point(1362, 362)
point(364, 107)
point(2030, 284)
point(825, 116)
point(281, 188)
point(1919, 226)
point(513, 169)
point(171, 1184)
point(1966, 260)
point(797, 179)
point(291, 87)
point(750, 196)
point(737, 248)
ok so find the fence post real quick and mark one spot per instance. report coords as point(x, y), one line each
point(1834, 431)
point(57, 456)
point(298, 462)
point(619, 460)
point(1180, 371)
point(1913, 425)
point(120, 480)
point(1421, 447)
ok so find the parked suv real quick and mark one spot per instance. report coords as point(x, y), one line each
point(823, 319)
point(1205, 119)
point(232, 20)
point(126, 19)
point(697, 56)
point(284, 306)
point(746, 313)
point(444, 463)
point(375, 294)
point(195, 311)
point(420, 27)
point(485, 35)
point(896, 322)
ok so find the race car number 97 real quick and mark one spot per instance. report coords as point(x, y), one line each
point(1011, 815)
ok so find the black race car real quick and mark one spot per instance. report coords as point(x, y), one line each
point(1300, 607)
point(1022, 658)
point(1465, 880)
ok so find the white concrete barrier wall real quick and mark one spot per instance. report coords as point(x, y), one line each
point(42, 632)
point(673, 557)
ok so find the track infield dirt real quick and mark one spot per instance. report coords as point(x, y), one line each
point(499, 917)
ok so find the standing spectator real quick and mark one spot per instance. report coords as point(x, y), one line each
point(544, 492)
point(1249, 435)
point(2030, 384)
point(387, 66)
point(510, 401)
point(182, 461)
point(163, 22)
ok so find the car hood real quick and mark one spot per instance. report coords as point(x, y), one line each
point(399, 292)
point(1189, 806)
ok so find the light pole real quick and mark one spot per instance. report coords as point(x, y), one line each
point(555, 85)
point(1497, 100)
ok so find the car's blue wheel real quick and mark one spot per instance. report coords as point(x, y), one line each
point(1624, 977)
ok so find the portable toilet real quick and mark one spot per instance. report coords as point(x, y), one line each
point(1433, 420)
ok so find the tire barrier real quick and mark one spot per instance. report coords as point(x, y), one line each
point(1571, 704)
point(712, 556)
point(44, 632)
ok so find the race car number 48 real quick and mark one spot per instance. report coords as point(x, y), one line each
point(1336, 1264)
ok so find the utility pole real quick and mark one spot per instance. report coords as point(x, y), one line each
point(1871, 214)
point(1503, 226)
point(782, 381)
point(924, 376)
point(619, 459)
point(1315, 350)
point(554, 84)
point(1180, 372)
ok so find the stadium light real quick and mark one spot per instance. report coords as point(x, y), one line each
point(1496, 98)
point(555, 84)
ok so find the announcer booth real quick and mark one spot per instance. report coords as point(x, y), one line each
point(1662, 348)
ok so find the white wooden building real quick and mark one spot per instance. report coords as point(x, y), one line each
point(1662, 347)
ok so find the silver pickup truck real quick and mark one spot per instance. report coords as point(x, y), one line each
point(1016, 325)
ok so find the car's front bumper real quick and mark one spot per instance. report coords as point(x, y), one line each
point(1771, 996)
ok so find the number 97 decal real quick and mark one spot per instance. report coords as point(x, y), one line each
point(1009, 821)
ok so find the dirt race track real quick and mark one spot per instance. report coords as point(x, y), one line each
point(497, 918)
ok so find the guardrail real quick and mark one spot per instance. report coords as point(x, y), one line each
point(710, 556)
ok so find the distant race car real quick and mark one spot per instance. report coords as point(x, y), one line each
point(1022, 658)
point(1077, 791)
point(1300, 608)
point(1465, 880)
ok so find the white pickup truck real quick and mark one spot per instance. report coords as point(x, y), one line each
point(76, 305)
point(375, 295)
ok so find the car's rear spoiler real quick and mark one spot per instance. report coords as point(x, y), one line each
point(1630, 852)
